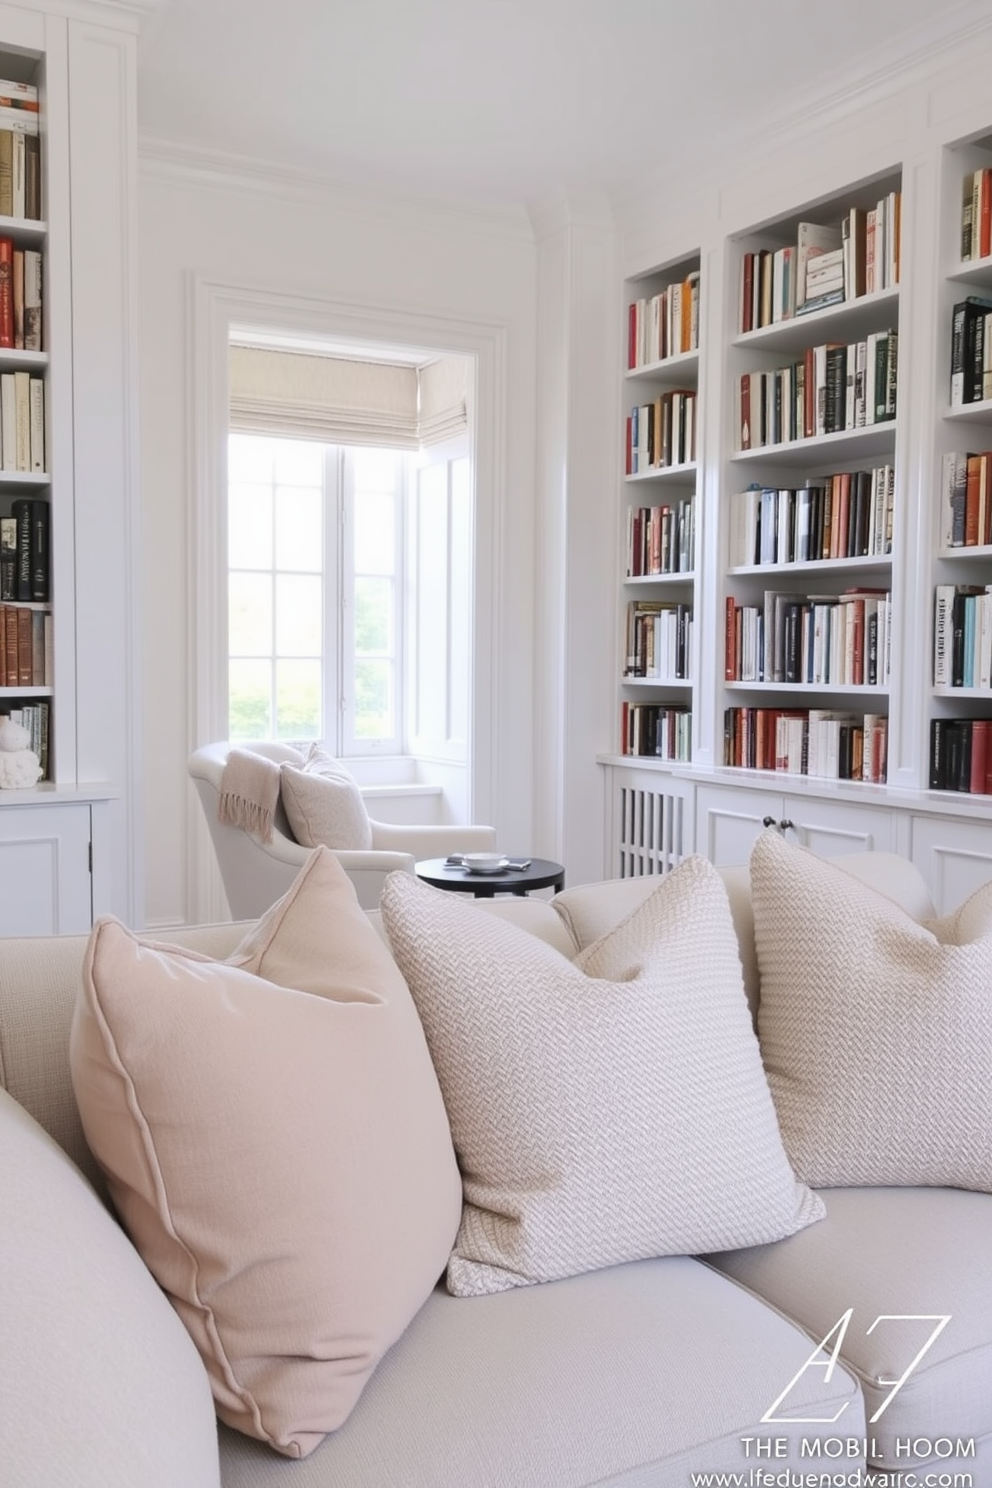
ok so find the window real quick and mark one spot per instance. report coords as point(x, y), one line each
point(315, 593)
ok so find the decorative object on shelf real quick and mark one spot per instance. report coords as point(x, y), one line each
point(20, 767)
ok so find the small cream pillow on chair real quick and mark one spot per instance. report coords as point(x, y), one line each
point(323, 804)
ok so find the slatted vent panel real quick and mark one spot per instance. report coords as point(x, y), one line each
point(651, 831)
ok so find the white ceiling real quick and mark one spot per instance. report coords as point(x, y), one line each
point(502, 101)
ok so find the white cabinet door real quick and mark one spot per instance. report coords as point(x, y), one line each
point(730, 818)
point(45, 870)
point(954, 855)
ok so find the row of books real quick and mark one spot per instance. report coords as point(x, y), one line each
point(658, 640)
point(35, 718)
point(840, 640)
point(20, 297)
point(832, 388)
point(971, 351)
point(20, 151)
point(661, 539)
point(961, 755)
point(25, 647)
point(962, 635)
point(664, 325)
point(847, 515)
point(663, 730)
point(25, 552)
point(22, 422)
point(807, 741)
point(662, 432)
point(976, 214)
point(827, 264)
point(966, 499)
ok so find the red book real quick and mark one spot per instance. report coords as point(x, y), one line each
point(747, 293)
point(971, 504)
point(629, 450)
point(6, 291)
point(745, 411)
point(979, 756)
point(730, 642)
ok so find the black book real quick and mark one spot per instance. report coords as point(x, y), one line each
point(21, 511)
point(963, 317)
point(792, 622)
point(836, 376)
point(938, 754)
point(40, 551)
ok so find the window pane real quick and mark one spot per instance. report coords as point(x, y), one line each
point(299, 462)
point(249, 526)
point(374, 700)
point(250, 457)
point(375, 534)
point(299, 615)
point(375, 470)
point(298, 700)
point(249, 688)
point(373, 616)
point(249, 614)
point(299, 529)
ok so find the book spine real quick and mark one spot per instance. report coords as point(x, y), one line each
point(21, 510)
point(40, 551)
point(36, 424)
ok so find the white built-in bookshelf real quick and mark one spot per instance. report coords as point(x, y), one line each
point(842, 626)
point(660, 458)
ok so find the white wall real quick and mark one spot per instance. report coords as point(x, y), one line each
point(306, 242)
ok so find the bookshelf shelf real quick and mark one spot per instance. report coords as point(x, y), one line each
point(864, 443)
point(675, 473)
point(847, 320)
point(669, 369)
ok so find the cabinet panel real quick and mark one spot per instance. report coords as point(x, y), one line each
point(45, 870)
point(729, 820)
point(954, 856)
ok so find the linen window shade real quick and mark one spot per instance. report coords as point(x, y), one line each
point(343, 401)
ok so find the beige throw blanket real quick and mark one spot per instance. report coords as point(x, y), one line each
point(249, 793)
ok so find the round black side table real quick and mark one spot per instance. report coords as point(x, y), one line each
point(541, 874)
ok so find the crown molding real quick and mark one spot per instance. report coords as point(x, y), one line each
point(170, 161)
point(122, 14)
point(588, 211)
point(907, 70)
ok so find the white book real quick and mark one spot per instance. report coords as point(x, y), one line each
point(8, 421)
point(22, 420)
point(812, 241)
point(36, 410)
point(983, 675)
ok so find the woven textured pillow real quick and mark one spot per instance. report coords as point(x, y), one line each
point(602, 1111)
point(876, 1031)
point(323, 804)
point(281, 1160)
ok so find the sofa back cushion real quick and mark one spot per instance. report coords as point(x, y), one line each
point(98, 1378)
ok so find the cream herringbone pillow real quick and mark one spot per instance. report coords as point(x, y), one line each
point(876, 1031)
point(605, 1110)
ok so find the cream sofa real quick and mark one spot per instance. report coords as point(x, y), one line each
point(636, 1375)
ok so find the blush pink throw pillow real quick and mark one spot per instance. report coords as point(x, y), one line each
point(275, 1142)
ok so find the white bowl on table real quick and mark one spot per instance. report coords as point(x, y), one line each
point(484, 862)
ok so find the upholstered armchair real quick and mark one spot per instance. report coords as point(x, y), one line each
point(256, 872)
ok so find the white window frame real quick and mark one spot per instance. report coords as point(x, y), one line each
point(216, 310)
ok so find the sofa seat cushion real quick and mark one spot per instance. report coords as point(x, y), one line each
point(99, 1382)
point(602, 1110)
point(630, 1376)
point(895, 1251)
point(276, 1144)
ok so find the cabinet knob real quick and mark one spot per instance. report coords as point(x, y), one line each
point(786, 826)
point(768, 821)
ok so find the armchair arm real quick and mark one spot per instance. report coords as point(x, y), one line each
point(432, 841)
